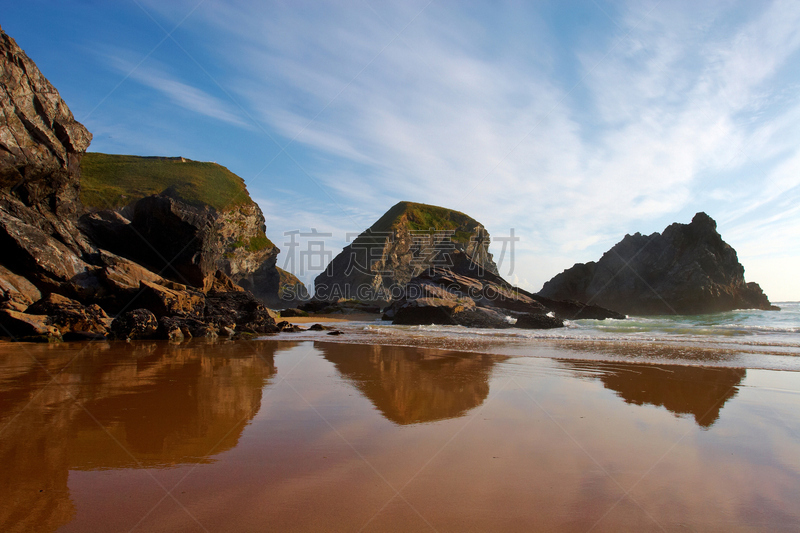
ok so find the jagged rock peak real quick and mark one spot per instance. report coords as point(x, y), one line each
point(40, 132)
point(703, 220)
point(407, 240)
point(687, 269)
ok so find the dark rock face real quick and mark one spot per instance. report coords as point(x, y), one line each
point(530, 321)
point(403, 243)
point(27, 327)
point(136, 324)
point(16, 292)
point(188, 243)
point(239, 311)
point(687, 269)
point(59, 274)
point(41, 144)
point(72, 319)
point(175, 238)
point(456, 297)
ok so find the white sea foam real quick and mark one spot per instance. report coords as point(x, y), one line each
point(743, 338)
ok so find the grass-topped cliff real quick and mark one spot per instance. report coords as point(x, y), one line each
point(424, 217)
point(389, 254)
point(113, 181)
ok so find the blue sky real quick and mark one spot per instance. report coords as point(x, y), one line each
point(572, 123)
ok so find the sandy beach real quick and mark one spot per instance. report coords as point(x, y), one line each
point(332, 318)
point(312, 435)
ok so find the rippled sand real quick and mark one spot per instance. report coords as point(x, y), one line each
point(322, 436)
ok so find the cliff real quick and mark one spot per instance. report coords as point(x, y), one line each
point(41, 145)
point(206, 207)
point(407, 240)
point(163, 273)
point(687, 269)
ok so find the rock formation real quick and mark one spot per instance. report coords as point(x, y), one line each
point(402, 244)
point(41, 145)
point(59, 278)
point(460, 296)
point(173, 207)
point(40, 149)
point(687, 269)
point(432, 266)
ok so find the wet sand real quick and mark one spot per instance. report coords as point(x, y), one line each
point(320, 436)
point(338, 317)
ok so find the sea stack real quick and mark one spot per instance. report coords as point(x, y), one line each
point(405, 242)
point(433, 263)
point(687, 269)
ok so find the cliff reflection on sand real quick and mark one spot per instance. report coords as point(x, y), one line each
point(158, 405)
point(412, 385)
point(697, 391)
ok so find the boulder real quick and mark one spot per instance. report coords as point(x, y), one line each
point(293, 312)
point(16, 292)
point(168, 328)
point(73, 319)
point(136, 324)
point(26, 327)
point(178, 300)
point(423, 312)
point(27, 248)
point(220, 282)
point(123, 275)
point(687, 269)
point(240, 311)
point(529, 321)
point(286, 327)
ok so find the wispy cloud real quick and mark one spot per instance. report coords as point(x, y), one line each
point(664, 109)
point(158, 77)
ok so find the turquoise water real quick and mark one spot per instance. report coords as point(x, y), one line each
point(741, 339)
point(749, 325)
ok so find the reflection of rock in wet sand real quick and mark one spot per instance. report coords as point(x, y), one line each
point(158, 404)
point(700, 392)
point(410, 385)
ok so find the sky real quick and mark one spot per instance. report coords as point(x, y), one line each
point(568, 123)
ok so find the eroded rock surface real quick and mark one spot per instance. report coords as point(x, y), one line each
point(407, 240)
point(687, 269)
point(459, 296)
point(60, 274)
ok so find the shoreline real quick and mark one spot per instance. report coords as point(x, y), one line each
point(471, 441)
